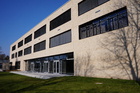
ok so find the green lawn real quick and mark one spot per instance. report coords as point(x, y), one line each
point(12, 83)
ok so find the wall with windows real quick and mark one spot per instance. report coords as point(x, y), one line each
point(83, 24)
point(36, 42)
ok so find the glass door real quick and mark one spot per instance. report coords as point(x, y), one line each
point(32, 67)
point(45, 66)
point(56, 66)
point(38, 66)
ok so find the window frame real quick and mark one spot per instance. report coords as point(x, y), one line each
point(108, 21)
point(41, 31)
point(90, 6)
point(28, 39)
point(28, 50)
point(13, 47)
point(20, 53)
point(39, 45)
point(61, 19)
point(20, 44)
point(59, 40)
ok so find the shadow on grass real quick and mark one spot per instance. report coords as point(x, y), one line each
point(74, 91)
point(52, 81)
point(6, 74)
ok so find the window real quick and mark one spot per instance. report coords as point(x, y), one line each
point(112, 21)
point(20, 43)
point(63, 18)
point(28, 50)
point(20, 53)
point(40, 46)
point(60, 39)
point(14, 47)
point(122, 16)
point(40, 32)
point(13, 56)
point(87, 5)
point(28, 39)
point(103, 25)
point(17, 65)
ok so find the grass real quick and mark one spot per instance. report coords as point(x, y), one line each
point(12, 83)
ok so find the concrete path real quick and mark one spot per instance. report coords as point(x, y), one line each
point(1, 70)
point(39, 75)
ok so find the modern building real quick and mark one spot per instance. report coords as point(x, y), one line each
point(70, 37)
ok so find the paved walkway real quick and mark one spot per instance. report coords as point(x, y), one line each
point(39, 75)
point(0, 70)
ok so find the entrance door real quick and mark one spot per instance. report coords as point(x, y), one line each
point(32, 67)
point(38, 67)
point(45, 66)
point(56, 66)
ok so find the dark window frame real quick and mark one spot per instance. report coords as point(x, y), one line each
point(89, 5)
point(28, 50)
point(17, 65)
point(60, 40)
point(28, 39)
point(13, 56)
point(61, 19)
point(39, 47)
point(20, 53)
point(13, 47)
point(41, 31)
point(20, 43)
point(106, 23)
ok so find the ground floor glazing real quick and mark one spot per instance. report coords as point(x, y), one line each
point(62, 64)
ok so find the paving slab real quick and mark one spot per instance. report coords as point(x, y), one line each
point(39, 75)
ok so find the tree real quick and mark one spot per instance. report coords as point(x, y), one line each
point(124, 45)
point(6, 58)
point(3, 56)
point(0, 50)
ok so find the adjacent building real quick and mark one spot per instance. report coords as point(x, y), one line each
point(68, 41)
point(4, 65)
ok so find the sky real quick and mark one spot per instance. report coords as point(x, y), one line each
point(17, 17)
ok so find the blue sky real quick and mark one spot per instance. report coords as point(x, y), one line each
point(18, 16)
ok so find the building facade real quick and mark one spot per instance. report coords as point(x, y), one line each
point(68, 41)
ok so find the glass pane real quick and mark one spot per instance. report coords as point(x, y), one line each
point(63, 57)
point(83, 32)
point(57, 67)
point(103, 24)
point(87, 31)
point(67, 37)
point(91, 30)
point(110, 23)
point(115, 22)
point(54, 67)
point(56, 58)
